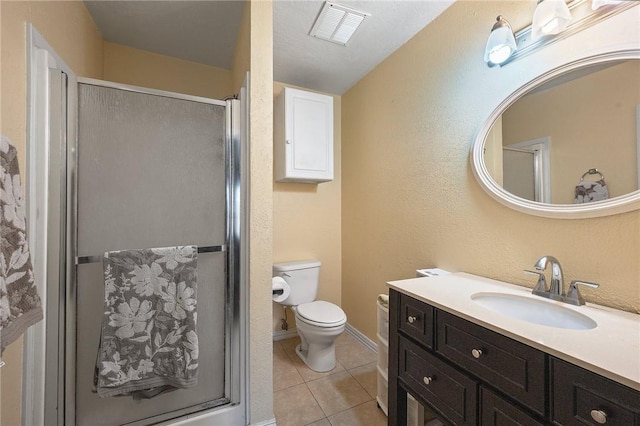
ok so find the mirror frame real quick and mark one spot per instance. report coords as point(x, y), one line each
point(622, 204)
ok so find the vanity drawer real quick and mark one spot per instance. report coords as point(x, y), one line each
point(416, 320)
point(453, 393)
point(580, 397)
point(512, 367)
point(495, 411)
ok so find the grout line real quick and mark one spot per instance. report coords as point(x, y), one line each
point(294, 357)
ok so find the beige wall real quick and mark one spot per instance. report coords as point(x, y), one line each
point(409, 198)
point(127, 65)
point(306, 224)
point(257, 36)
point(71, 32)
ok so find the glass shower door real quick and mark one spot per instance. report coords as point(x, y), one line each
point(152, 171)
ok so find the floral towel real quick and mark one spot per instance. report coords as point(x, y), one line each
point(589, 191)
point(19, 301)
point(148, 343)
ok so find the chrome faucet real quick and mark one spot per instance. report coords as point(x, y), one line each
point(556, 290)
point(557, 282)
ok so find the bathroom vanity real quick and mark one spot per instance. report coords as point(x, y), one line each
point(473, 365)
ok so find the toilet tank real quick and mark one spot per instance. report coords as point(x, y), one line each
point(302, 276)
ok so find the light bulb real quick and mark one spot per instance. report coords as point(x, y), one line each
point(501, 43)
point(500, 53)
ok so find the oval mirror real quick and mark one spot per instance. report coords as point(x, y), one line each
point(567, 144)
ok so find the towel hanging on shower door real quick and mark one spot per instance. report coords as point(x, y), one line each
point(589, 191)
point(148, 342)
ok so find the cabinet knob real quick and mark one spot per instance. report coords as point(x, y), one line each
point(599, 416)
point(477, 353)
point(288, 142)
point(427, 380)
point(411, 319)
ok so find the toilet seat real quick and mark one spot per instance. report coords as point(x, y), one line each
point(321, 314)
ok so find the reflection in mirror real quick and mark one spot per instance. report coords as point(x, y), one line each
point(543, 143)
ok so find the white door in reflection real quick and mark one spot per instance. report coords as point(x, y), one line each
point(525, 168)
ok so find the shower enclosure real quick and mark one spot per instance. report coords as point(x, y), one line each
point(149, 169)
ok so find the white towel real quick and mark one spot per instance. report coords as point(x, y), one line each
point(590, 191)
point(148, 343)
point(19, 302)
point(383, 299)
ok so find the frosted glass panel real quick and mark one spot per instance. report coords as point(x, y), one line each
point(151, 173)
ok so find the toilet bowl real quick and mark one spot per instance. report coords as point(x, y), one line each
point(319, 324)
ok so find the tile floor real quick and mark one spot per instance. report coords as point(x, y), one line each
point(344, 396)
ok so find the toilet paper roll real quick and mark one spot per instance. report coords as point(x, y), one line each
point(280, 289)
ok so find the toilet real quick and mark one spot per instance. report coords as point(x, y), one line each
point(319, 323)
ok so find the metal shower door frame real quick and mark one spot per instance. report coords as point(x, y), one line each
point(232, 405)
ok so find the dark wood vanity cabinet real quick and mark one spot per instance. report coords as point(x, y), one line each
point(580, 397)
point(442, 386)
point(498, 412)
point(417, 320)
point(513, 368)
point(469, 375)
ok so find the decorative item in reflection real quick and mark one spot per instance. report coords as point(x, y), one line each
point(588, 191)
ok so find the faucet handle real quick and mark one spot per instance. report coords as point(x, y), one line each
point(541, 286)
point(574, 296)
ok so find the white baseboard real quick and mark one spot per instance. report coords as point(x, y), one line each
point(271, 422)
point(288, 334)
point(284, 334)
point(361, 338)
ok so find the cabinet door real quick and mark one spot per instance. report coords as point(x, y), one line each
point(495, 411)
point(581, 397)
point(512, 367)
point(446, 390)
point(306, 147)
point(416, 320)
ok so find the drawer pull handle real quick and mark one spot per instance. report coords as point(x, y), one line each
point(411, 319)
point(477, 353)
point(599, 416)
point(427, 380)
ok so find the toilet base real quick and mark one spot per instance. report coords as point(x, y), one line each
point(320, 358)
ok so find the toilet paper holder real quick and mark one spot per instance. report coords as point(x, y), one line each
point(280, 289)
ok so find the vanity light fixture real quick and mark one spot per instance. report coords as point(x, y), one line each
point(550, 17)
point(596, 4)
point(501, 43)
point(551, 25)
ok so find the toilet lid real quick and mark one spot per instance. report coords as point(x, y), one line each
point(321, 312)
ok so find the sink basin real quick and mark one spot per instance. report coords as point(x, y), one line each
point(535, 311)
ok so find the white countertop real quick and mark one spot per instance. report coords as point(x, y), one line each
point(611, 349)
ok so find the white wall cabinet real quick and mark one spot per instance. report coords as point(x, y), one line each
point(303, 136)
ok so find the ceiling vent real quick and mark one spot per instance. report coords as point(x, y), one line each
point(337, 23)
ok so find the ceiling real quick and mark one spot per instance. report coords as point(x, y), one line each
point(206, 32)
